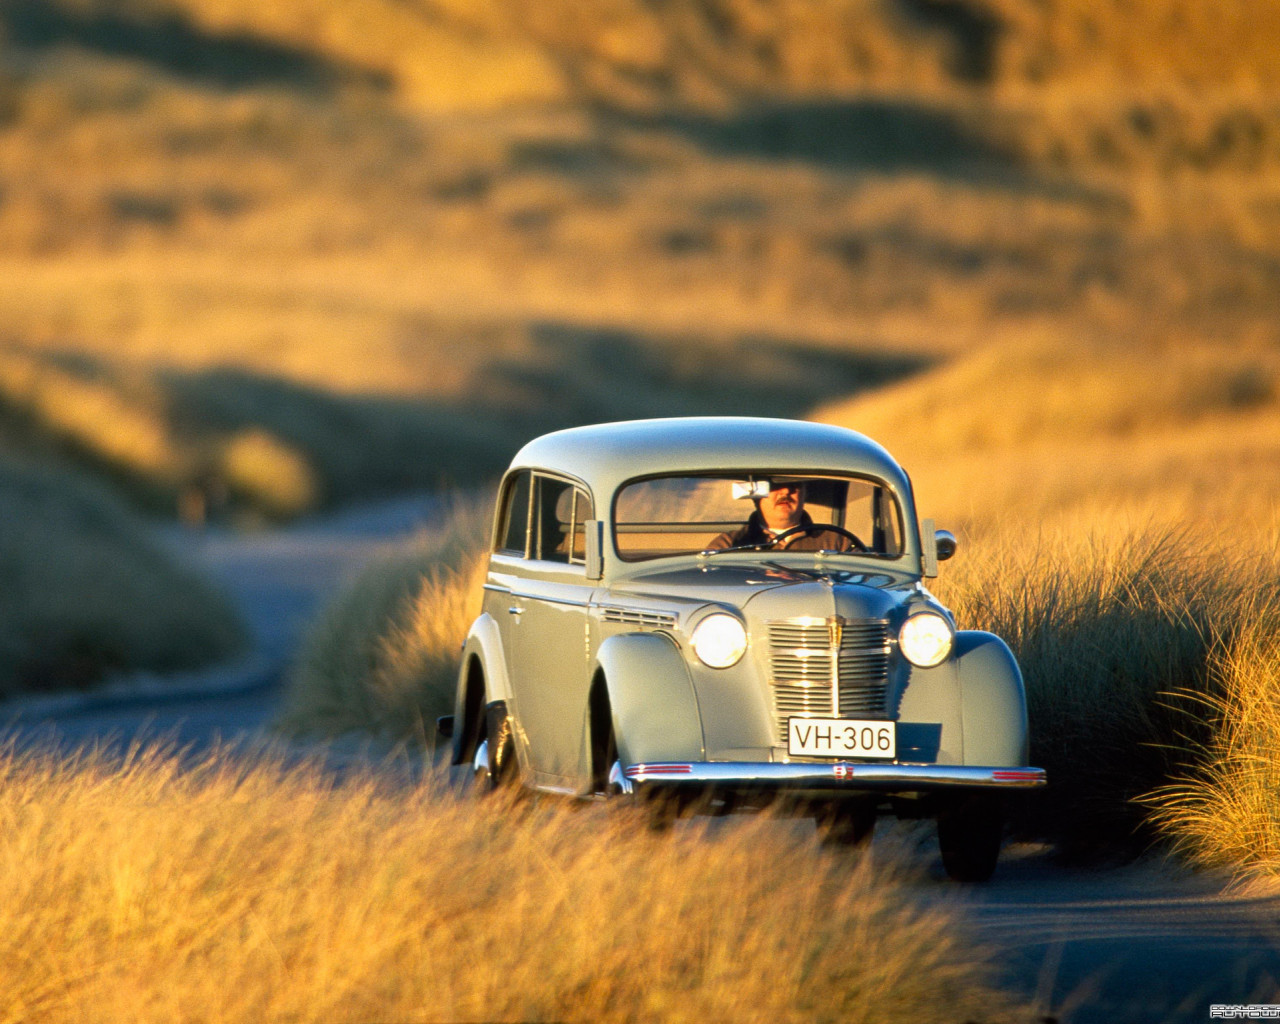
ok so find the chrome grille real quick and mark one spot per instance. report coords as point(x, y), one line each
point(828, 668)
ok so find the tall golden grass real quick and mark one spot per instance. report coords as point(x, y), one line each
point(1118, 538)
point(1223, 808)
point(1119, 638)
point(137, 887)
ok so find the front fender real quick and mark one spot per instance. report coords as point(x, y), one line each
point(481, 666)
point(655, 710)
point(993, 701)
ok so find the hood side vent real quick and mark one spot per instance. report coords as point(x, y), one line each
point(638, 617)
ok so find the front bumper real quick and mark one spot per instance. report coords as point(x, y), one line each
point(838, 776)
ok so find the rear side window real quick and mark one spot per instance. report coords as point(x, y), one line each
point(559, 510)
point(513, 531)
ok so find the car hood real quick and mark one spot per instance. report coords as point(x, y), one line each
point(778, 592)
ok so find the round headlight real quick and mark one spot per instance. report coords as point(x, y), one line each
point(926, 639)
point(719, 640)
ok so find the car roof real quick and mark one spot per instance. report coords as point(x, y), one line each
point(606, 455)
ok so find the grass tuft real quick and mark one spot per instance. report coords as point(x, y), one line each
point(383, 657)
point(1224, 809)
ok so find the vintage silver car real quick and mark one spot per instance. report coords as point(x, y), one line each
point(654, 630)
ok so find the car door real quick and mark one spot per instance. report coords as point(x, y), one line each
point(548, 625)
point(508, 558)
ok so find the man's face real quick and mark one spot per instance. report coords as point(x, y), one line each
point(782, 506)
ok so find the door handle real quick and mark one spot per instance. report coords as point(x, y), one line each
point(515, 610)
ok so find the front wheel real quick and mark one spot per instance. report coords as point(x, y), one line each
point(969, 833)
point(495, 767)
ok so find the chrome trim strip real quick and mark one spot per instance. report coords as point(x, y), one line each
point(547, 787)
point(497, 589)
point(550, 600)
point(837, 775)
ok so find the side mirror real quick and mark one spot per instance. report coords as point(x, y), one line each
point(946, 542)
point(593, 536)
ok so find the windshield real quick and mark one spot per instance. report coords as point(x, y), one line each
point(793, 511)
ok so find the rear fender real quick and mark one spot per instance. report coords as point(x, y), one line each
point(651, 697)
point(993, 700)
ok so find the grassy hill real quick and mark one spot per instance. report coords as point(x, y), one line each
point(237, 225)
point(87, 590)
point(256, 259)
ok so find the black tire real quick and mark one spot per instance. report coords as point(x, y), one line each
point(846, 822)
point(969, 833)
point(504, 767)
point(608, 764)
point(495, 768)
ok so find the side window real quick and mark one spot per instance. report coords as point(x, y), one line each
point(888, 532)
point(552, 520)
point(514, 530)
point(560, 509)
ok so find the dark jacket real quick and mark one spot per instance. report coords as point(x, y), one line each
point(816, 538)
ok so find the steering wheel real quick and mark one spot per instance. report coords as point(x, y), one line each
point(774, 541)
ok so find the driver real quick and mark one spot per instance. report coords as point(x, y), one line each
point(780, 510)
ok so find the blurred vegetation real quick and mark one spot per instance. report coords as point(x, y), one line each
point(88, 591)
point(362, 246)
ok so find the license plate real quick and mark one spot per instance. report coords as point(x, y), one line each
point(841, 737)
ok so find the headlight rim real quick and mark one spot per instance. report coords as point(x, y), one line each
point(905, 646)
point(739, 649)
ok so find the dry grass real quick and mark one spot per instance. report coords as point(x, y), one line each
point(1118, 512)
point(87, 590)
point(1224, 809)
point(135, 889)
point(383, 657)
point(1105, 532)
point(1118, 639)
